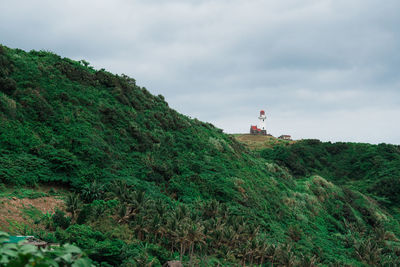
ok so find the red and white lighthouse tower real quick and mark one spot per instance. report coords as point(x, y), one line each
point(262, 124)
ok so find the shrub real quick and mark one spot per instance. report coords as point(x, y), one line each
point(7, 85)
point(60, 220)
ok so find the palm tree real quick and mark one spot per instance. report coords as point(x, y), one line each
point(271, 252)
point(73, 204)
point(121, 190)
point(195, 236)
point(286, 255)
point(224, 210)
point(380, 235)
point(242, 252)
point(262, 250)
point(138, 227)
point(181, 213)
point(92, 191)
point(135, 202)
point(122, 210)
point(182, 238)
point(306, 261)
point(251, 250)
point(368, 251)
point(172, 229)
point(229, 236)
point(211, 209)
point(160, 207)
point(219, 238)
point(154, 226)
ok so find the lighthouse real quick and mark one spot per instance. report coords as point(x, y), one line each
point(261, 123)
point(261, 128)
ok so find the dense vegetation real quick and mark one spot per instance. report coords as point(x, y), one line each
point(372, 169)
point(149, 184)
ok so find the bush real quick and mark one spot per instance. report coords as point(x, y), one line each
point(7, 85)
point(60, 220)
point(98, 246)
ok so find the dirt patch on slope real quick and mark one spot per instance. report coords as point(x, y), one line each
point(12, 210)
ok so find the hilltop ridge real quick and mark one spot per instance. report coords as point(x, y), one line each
point(258, 142)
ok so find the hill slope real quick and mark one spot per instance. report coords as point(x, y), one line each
point(372, 169)
point(151, 184)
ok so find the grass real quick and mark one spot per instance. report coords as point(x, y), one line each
point(258, 142)
point(19, 192)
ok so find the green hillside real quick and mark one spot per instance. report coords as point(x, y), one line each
point(371, 169)
point(150, 185)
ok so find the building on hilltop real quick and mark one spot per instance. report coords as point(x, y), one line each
point(285, 137)
point(261, 129)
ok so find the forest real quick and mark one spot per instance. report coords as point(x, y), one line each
point(143, 184)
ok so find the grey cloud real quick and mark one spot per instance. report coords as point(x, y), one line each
point(322, 69)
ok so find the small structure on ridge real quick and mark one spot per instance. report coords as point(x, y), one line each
point(285, 137)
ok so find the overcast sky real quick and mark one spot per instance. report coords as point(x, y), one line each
point(326, 69)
